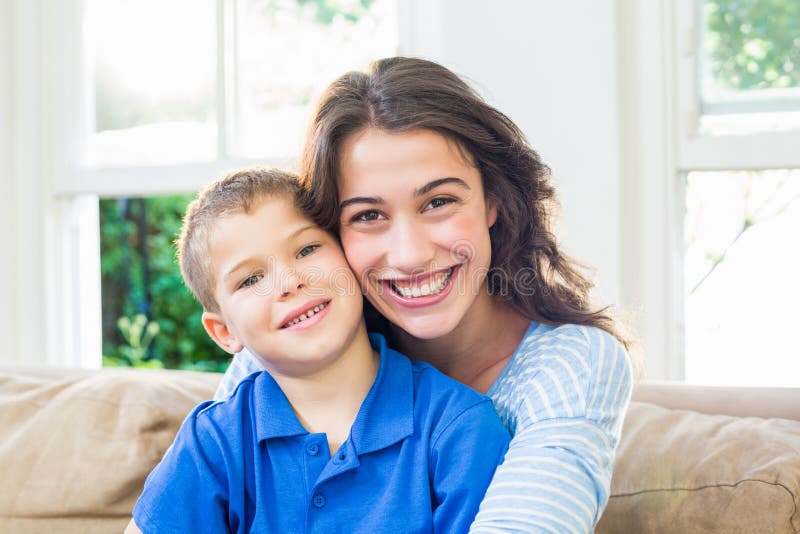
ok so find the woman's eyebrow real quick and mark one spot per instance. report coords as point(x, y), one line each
point(427, 188)
point(361, 200)
point(433, 184)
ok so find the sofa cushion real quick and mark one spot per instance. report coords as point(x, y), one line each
point(679, 471)
point(77, 446)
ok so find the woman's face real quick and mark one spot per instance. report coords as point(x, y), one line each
point(415, 227)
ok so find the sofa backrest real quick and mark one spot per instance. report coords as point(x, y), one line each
point(707, 459)
point(76, 446)
point(766, 402)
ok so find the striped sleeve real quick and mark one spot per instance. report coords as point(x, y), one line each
point(242, 365)
point(563, 396)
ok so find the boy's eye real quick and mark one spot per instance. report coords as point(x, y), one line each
point(251, 280)
point(306, 250)
point(364, 216)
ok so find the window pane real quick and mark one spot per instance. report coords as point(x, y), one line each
point(287, 52)
point(150, 319)
point(153, 70)
point(750, 65)
point(742, 256)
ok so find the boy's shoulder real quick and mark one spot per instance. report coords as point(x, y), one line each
point(440, 400)
point(430, 381)
point(229, 410)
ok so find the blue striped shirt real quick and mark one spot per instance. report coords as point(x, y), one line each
point(562, 396)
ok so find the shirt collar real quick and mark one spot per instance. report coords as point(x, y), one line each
point(386, 415)
point(274, 417)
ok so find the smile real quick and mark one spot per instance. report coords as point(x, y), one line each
point(433, 286)
point(306, 315)
point(421, 291)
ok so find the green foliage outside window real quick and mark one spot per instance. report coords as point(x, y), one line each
point(150, 318)
point(753, 44)
point(325, 11)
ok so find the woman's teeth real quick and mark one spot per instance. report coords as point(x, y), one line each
point(303, 316)
point(423, 290)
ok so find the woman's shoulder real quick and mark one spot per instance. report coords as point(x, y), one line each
point(589, 344)
point(564, 370)
point(566, 357)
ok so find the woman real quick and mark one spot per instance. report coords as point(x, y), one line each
point(444, 213)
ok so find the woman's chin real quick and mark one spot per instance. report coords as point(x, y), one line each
point(425, 322)
point(425, 328)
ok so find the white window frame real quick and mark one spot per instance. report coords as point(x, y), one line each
point(697, 151)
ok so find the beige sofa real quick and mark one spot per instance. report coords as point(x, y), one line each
point(75, 447)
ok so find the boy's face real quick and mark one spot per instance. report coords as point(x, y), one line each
point(284, 289)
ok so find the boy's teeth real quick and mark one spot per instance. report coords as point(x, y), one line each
point(305, 315)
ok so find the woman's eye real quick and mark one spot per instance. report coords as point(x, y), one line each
point(251, 280)
point(306, 250)
point(438, 202)
point(369, 215)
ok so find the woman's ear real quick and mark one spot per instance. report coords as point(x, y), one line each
point(218, 330)
point(491, 213)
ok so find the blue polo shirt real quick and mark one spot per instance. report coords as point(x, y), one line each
point(420, 455)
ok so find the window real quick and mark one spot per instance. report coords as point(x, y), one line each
point(741, 262)
point(154, 100)
point(738, 164)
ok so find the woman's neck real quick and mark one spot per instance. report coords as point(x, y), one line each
point(477, 350)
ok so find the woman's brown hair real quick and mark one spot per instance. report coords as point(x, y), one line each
point(403, 94)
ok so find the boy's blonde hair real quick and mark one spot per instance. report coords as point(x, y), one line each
point(237, 192)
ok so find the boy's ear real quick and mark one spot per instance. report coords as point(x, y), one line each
point(218, 330)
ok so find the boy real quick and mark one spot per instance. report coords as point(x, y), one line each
point(341, 433)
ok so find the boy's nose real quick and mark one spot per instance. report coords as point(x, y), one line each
point(290, 283)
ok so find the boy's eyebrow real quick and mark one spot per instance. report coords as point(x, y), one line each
point(233, 270)
point(236, 268)
point(427, 188)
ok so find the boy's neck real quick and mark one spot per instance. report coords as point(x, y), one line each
point(328, 401)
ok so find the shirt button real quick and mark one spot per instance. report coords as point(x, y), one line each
point(319, 500)
point(313, 450)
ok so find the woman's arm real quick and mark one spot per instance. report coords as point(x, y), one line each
point(565, 401)
point(132, 528)
point(242, 365)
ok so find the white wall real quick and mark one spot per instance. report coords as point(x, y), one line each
point(551, 67)
point(9, 279)
point(26, 282)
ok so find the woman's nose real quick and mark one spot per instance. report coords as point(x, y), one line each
point(410, 247)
